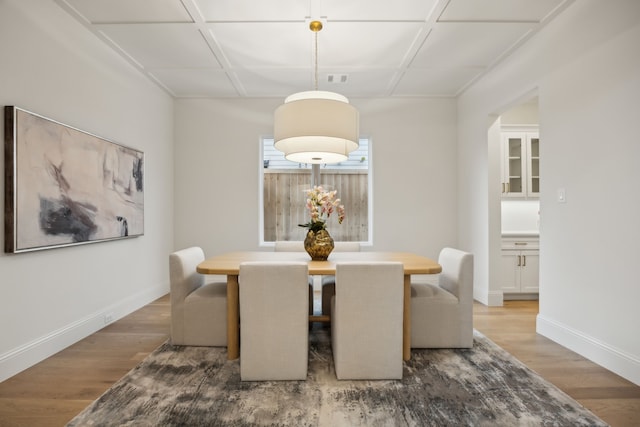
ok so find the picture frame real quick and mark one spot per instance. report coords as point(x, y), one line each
point(65, 186)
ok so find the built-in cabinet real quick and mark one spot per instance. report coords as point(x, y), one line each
point(520, 163)
point(519, 267)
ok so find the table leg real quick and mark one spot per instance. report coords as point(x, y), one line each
point(406, 320)
point(233, 330)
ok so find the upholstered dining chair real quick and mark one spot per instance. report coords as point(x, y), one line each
point(366, 320)
point(329, 282)
point(296, 246)
point(442, 314)
point(198, 308)
point(274, 332)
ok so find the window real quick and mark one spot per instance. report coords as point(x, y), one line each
point(283, 191)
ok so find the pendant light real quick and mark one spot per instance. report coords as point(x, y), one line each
point(316, 126)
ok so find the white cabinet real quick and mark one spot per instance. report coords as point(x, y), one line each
point(519, 267)
point(520, 164)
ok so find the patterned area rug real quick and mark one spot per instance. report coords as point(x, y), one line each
point(197, 386)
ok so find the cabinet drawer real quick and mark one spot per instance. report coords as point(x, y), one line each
point(527, 244)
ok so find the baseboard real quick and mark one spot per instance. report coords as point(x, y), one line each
point(25, 356)
point(615, 360)
point(496, 299)
point(488, 298)
point(521, 297)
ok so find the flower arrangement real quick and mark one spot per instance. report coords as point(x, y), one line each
point(321, 204)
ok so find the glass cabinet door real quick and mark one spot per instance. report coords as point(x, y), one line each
point(515, 147)
point(520, 164)
point(534, 165)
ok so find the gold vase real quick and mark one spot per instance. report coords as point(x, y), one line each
point(318, 244)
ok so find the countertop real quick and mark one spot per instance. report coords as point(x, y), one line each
point(521, 233)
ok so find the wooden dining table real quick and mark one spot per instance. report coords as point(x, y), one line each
point(229, 264)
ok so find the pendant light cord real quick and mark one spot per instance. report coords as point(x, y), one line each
point(316, 61)
point(316, 26)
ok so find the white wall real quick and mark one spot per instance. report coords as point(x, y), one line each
point(520, 216)
point(522, 114)
point(217, 167)
point(585, 67)
point(54, 67)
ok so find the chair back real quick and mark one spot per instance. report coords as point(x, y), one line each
point(457, 273)
point(366, 320)
point(274, 331)
point(183, 280)
point(183, 276)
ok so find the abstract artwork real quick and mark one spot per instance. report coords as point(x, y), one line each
point(64, 186)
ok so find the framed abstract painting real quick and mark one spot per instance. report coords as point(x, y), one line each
point(64, 186)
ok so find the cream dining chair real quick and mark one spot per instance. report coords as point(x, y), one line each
point(366, 320)
point(198, 309)
point(274, 331)
point(329, 282)
point(296, 246)
point(442, 314)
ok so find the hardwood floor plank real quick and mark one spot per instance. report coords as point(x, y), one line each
point(55, 390)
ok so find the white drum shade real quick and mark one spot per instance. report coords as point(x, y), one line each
point(316, 127)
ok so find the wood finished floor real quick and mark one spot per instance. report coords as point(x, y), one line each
point(55, 390)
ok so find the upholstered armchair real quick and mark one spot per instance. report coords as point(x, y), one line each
point(198, 309)
point(329, 282)
point(274, 332)
point(442, 314)
point(366, 320)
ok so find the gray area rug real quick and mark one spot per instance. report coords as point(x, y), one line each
point(197, 386)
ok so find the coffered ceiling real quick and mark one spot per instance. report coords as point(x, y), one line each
point(264, 48)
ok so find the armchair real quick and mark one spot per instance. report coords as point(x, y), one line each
point(442, 314)
point(198, 309)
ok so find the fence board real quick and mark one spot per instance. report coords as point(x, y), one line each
point(285, 204)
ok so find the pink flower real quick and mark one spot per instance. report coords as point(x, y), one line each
point(321, 204)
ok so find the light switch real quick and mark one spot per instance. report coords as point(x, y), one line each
point(562, 195)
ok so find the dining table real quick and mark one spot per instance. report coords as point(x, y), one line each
point(229, 264)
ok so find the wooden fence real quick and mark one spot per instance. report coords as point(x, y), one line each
point(285, 204)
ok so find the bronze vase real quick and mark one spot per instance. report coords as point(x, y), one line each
point(318, 244)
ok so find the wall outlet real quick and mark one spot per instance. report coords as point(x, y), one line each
point(108, 318)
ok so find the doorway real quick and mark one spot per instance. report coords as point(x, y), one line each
point(514, 206)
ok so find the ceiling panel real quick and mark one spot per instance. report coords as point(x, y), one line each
point(252, 10)
point(162, 45)
point(366, 44)
point(376, 10)
point(195, 82)
point(498, 10)
point(435, 81)
point(263, 44)
point(476, 44)
point(105, 11)
point(274, 82)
